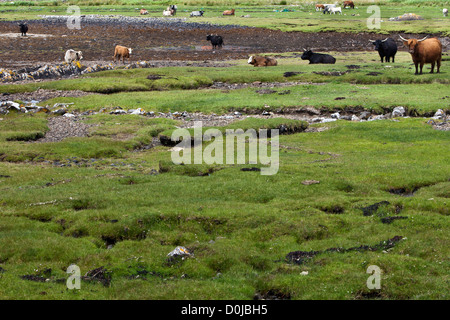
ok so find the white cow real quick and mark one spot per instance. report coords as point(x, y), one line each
point(445, 12)
point(333, 10)
point(72, 55)
point(167, 13)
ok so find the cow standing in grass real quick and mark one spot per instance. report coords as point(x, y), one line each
point(424, 51)
point(320, 7)
point(348, 4)
point(386, 48)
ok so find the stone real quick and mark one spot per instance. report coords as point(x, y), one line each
point(335, 115)
point(440, 114)
point(365, 115)
point(398, 112)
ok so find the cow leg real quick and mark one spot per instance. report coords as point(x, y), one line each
point(421, 67)
point(417, 66)
point(438, 65)
point(432, 67)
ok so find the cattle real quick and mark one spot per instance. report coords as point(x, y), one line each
point(333, 10)
point(320, 7)
point(445, 12)
point(143, 12)
point(197, 13)
point(316, 58)
point(424, 51)
point(72, 55)
point(258, 61)
point(170, 11)
point(348, 4)
point(328, 7)
point(216, 40)
point(23, 29)
point(122, 52)
point(228, 12)
point(386, 48)
point(173, 8)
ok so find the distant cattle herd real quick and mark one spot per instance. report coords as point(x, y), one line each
point(426, 50)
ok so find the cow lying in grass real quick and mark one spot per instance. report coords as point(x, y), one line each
point(122, 52)
point(228, 12)
point(258, 61)
point(315, 58)
point(197, 13)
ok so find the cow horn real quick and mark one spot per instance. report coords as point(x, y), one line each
point(422, 39)
point(402, 38)
point(384, 40)
point(371, 40)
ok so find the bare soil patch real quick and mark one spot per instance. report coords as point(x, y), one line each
point(47, 41)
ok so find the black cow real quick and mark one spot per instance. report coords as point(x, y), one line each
point(315, 58)
point(174, 8)
point(386, 48)
point(23, 28)
point(216, 40)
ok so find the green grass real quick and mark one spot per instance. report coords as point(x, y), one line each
point(102, 201)
point(252, 220)
point(357, 77)
point(428, 100)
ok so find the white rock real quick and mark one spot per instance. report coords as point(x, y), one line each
point(335, 115)
point(439, 114)
point(398, 112)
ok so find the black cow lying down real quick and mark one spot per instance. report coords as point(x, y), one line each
point(315, 58)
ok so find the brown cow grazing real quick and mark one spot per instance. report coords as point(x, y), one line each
point(349, 4)
point(258, 61)
point(320, 7)
point(228, 12)
point(122, 52)
point(424, 51)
